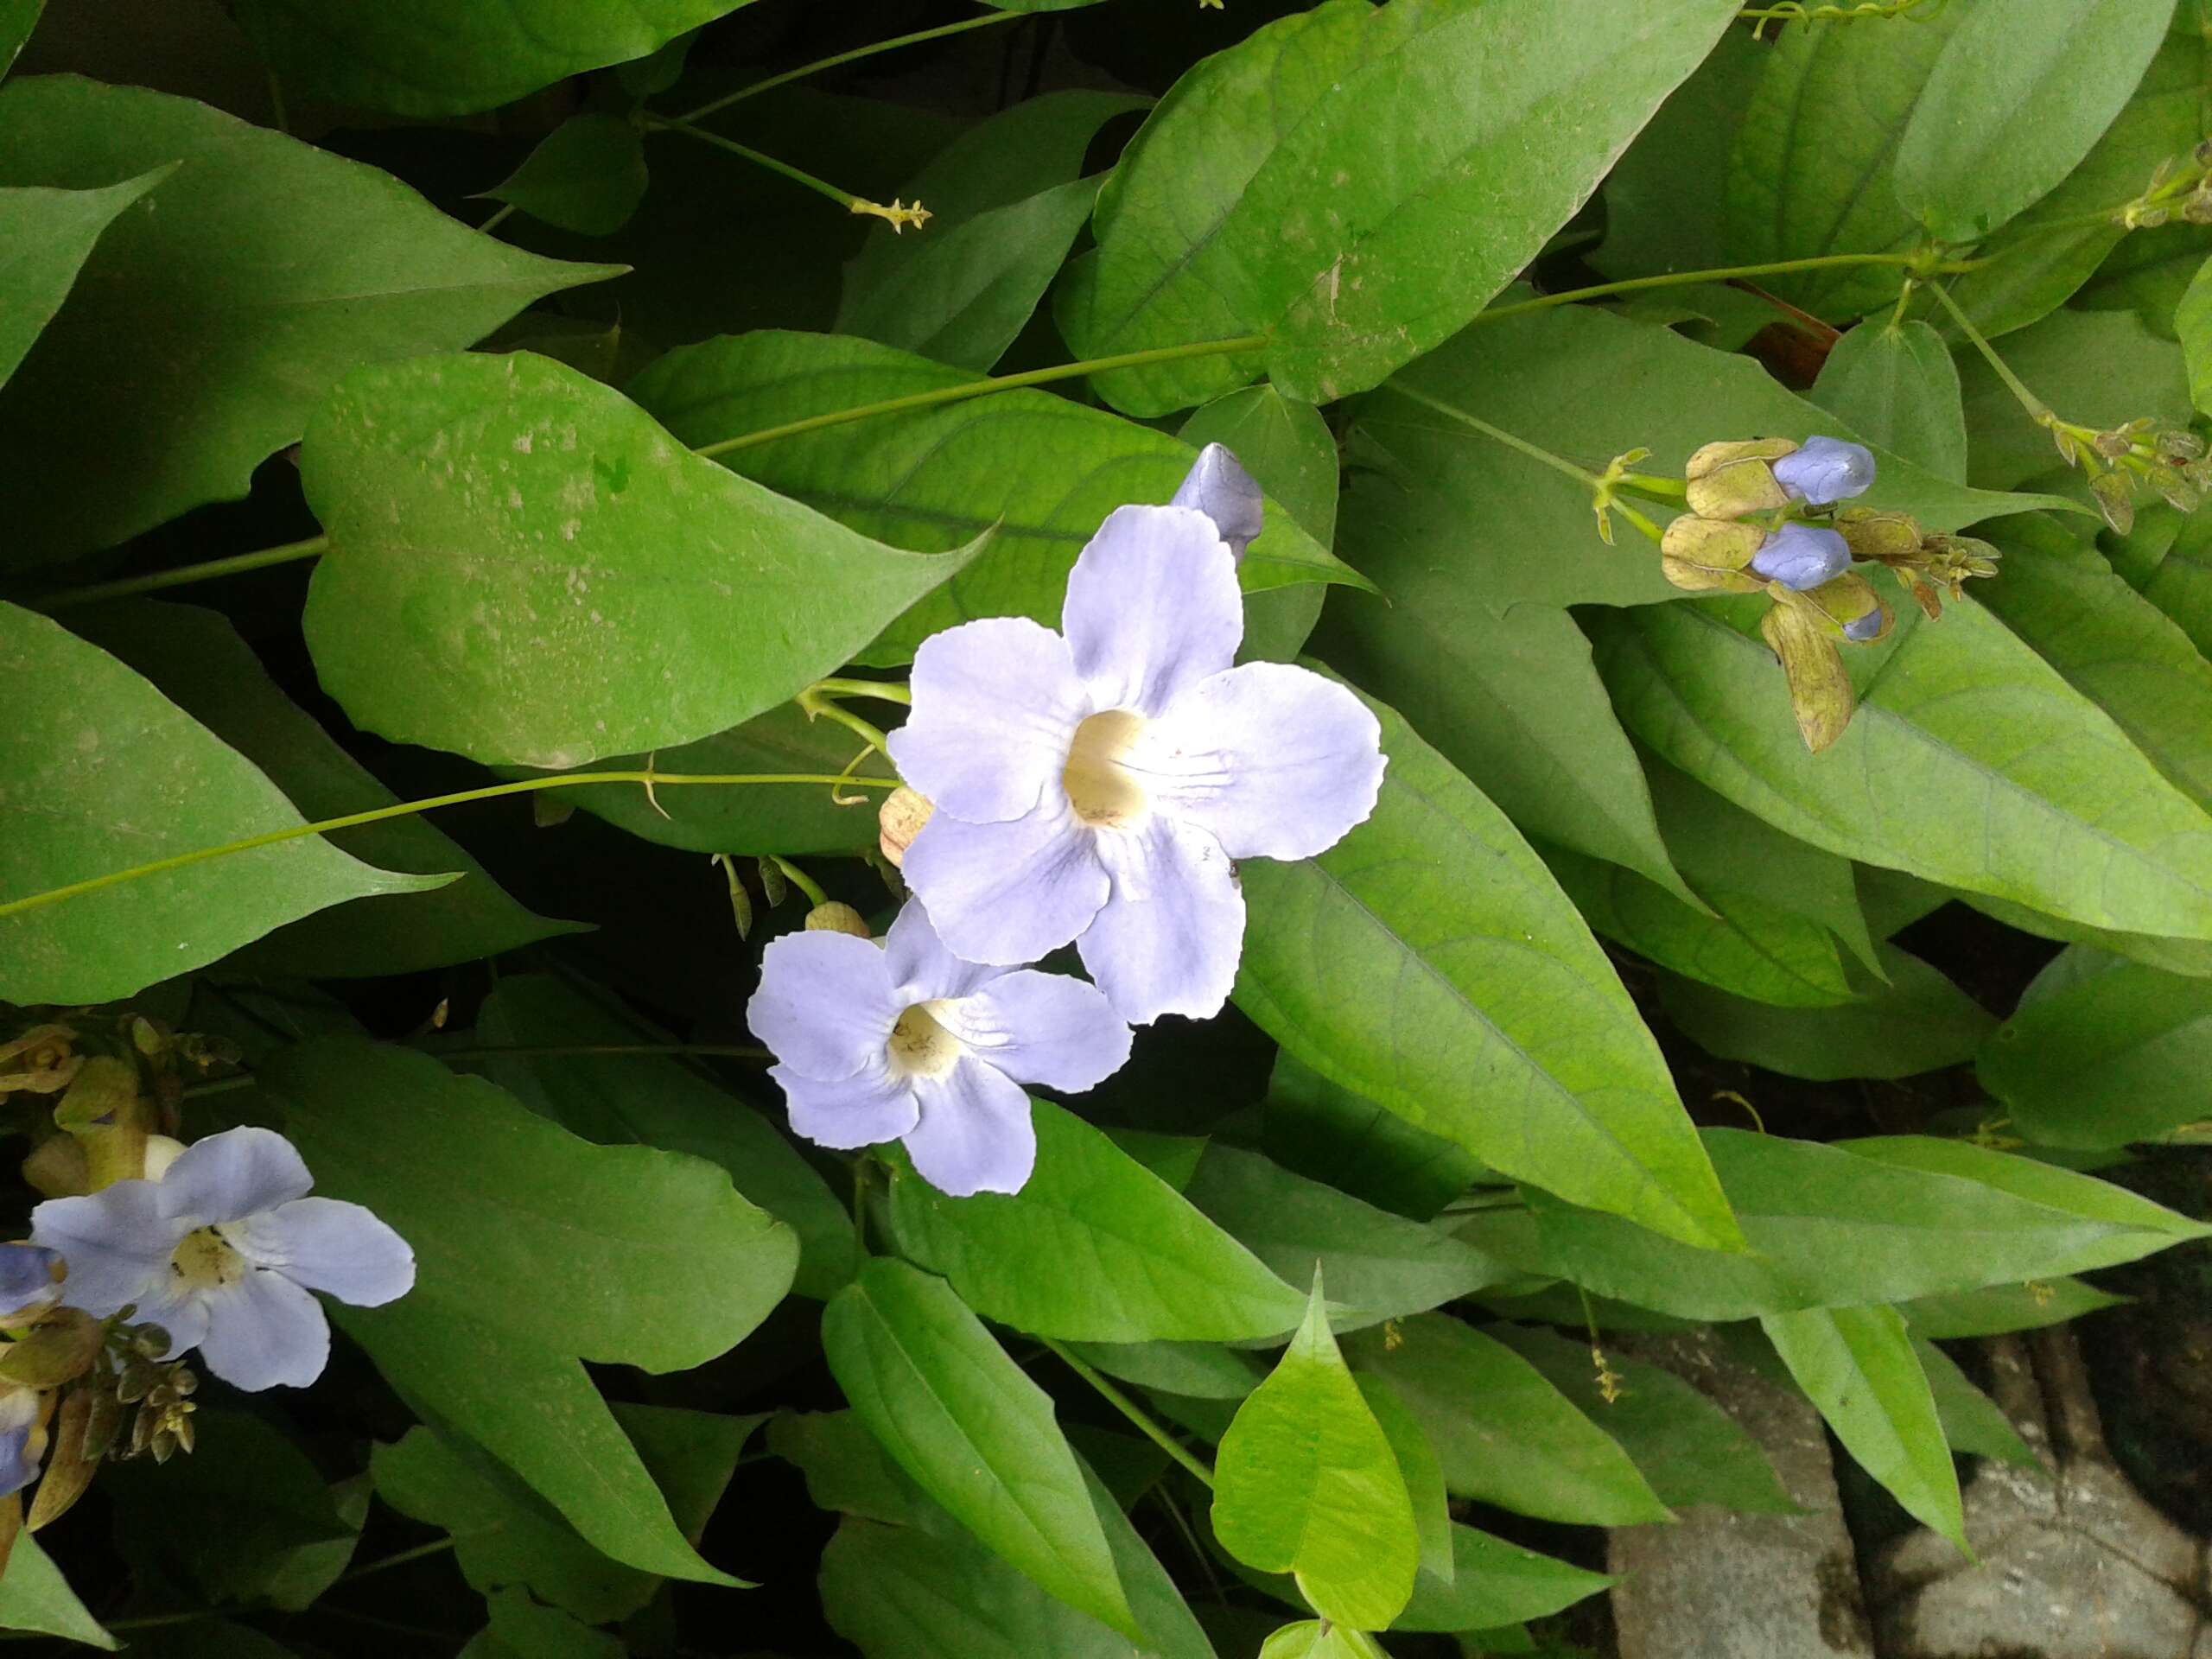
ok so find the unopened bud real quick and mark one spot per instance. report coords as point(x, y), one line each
point(1882, 538)
point(834, 918)
point(899, 820)
point(61, 1347)
point(1703, 555)
point(1800, 557)
point(1218, 486)
point(1713, 456)
point(56, 1168)
point(2115, 499)
point(1728, 480)
point(1820, 689)
point(1851, 603)
point(1824, 471)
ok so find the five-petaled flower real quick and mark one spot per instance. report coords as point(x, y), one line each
point(902, 1041)
point(221, 1250)
point(1097, 784)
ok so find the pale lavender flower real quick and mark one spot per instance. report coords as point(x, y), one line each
point(222, 1252)
point(1095, 785)
point(1823, 471)
point(901, 1040)
point(1218, 486)
point(1801, 557)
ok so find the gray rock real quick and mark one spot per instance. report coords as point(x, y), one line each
point(1717, 1586)
point(2074, 1563)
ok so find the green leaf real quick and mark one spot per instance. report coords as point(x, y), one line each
point(1197, 1371)
point(33, 1596)
point(1037, 471)
point(1662, 211)
point(2049, 251)
point(198, 660)
point(2017, 98)
point(1378, 1266)
point(17, 19)
point(1495, 1583)
point(1429, 962)
point(2113, 646)
point(1325, 1132)
point(520, 1628)
point(1994, 1310)
point(1326, 182)
point(792, 820)
point(1912, 1021)
point(1586, 386)
point(2193, 322)
point(1690, 1450)
point(1423, 1475)
point(1835, 1227)
point(2098, 368)
point(1816, 156)
point(659, 1103)
point(1897, 383)
point(1305, 1482)
point(2147, 274)
point(426, 57)
point(2180, 582)
point(1133, 1261)
point(1509, 698)
point(1858, 1366)
point(101, 773)
point(693, 1454)
point(849, 1471)
point(972, 1430)
point(1288, 448)
point(676, 1267)
point(1004, 205)
point(502, 1534)
point(2119, 1057)
point(524, 569)
point(1957, 720)
point(46, 236)
point(1501, 1433)
point(586, 176)
point(1972, 1425)
point(1312, 1638)
point(265, 268)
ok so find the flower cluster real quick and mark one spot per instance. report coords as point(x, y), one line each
point(1093, 786)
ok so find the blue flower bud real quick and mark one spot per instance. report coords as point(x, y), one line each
point(1218, 486)
point(1826, 470)
point(1801, 557)
point(1867, 627)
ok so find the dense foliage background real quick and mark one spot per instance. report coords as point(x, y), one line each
point(497, 389)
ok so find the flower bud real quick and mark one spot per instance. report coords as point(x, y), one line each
point(1851, 603)
point(1882, 538)
point(899, 820)
point(834, 918)
point(1701, 554)
point(1800, 557)
point(1728, 480)
point(56, 1168)
point(1825, 470)
point(59, 1347)
point(1218, 486)
point(1820, 689)
point(30, 1281)
point(40, 1061)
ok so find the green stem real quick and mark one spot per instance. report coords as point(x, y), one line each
point(1723, 274)
point(885, 690)
point(843, 58)
point(984, 388)
point(237, 564)
point(400, 1558)
point(1535, 452)
point(2035, 406)
point(818, 706)
point(844, 197)
point(799, 879)
point(1136, 1413)
point(405, 808)
point(498, 218)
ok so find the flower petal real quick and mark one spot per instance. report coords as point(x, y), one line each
point(1152, 607)
point(1218, 486)
point(1168, 940)
point(860, 1111)
point(342, 1249)
point(974, 1133)
point(116, 1241)
point(264, 1332)
point(996, 703)
point(1823, 471)
point(1274, 762)
point(825, 1005)
point(1041, 1028)
point(27, 1280)
point(1008, 893)
point(921, 966)
point(230, 1176)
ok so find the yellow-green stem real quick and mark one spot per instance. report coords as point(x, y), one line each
point(799, 879)
point(843, 58)
point(1722, 274)
point(405, 809)
point(1136, 1413)
point(796, 175)
point(2035, 405)
point(208, 571)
